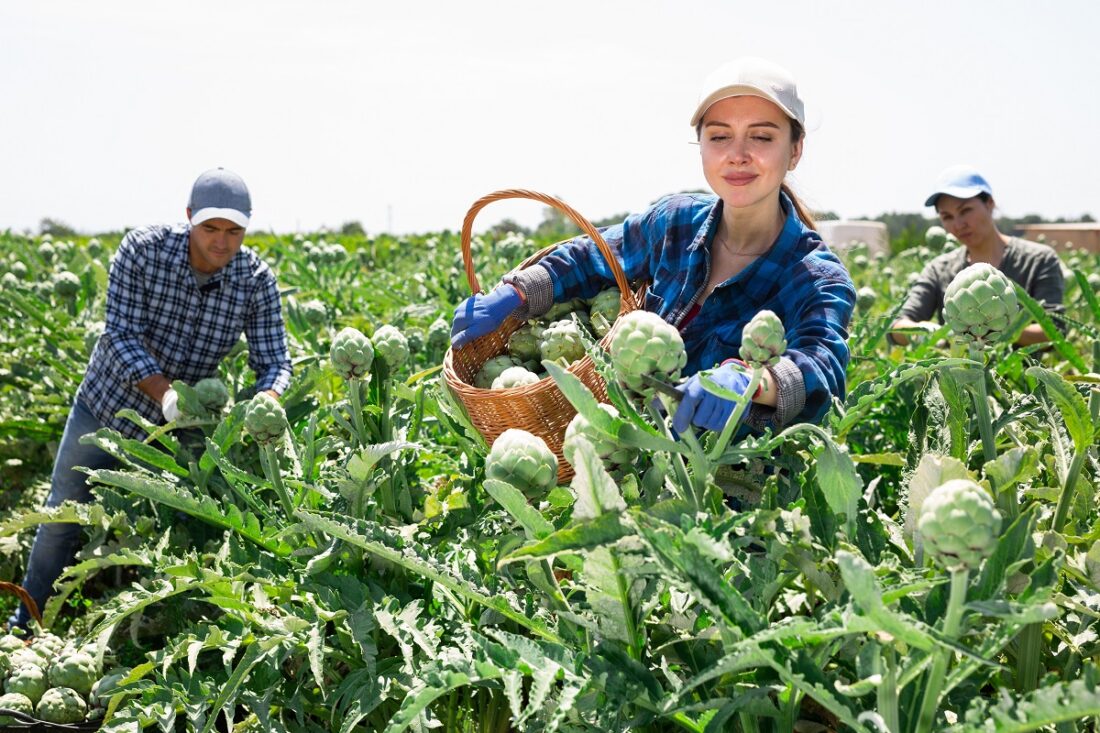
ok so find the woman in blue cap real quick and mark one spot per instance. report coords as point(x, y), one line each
point(713, 261)
point(964, 201)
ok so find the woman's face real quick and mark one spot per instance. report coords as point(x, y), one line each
point(969, 220)
point(745, 143)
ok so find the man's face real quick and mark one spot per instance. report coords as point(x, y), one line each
point(214, 243)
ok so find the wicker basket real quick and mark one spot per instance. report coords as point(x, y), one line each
point(540, 408)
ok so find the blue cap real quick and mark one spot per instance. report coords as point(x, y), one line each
point(960, 181)
point(220, 194)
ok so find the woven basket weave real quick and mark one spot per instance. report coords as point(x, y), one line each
point(540, 408)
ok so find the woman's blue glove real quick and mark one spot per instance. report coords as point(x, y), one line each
point(481, 314)
point(700, 407)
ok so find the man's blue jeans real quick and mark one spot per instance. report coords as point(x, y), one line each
point(55, 545)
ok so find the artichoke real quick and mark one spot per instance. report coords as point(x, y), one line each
point(76, 670)
point(15, 701)
point(66, 284)
point(959, 524)
point(47, 645)
point(524, 461)
point(213, 394)
point(603, 309)
point(415, 339)
point(980, 302)
point(9, 281)
point(866, 297)
point(19, 270)
point(61, 705)
point(561, 342)
point(935, 237)
point(351, 354)
point(763, 340)
point(860, 262)
point(94, 248)
point(27, 680)
point(492, 369)
point(645, 343)
point(439, 334)
point(1094, 281)
point(313, 312)
point(10, 642)
point(265, 419)
point(391, 347)
point(516, 376)
point(104, 687)
point(606, 448)
point(46, 252)
point(524, 342)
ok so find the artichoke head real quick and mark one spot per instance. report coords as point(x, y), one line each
point(516, 376)
point(492, 369)
point(265, 419)
point(391, 347)
point(980, 303)
point(644, 343)
point(604, 309)
point(61, 705)
point(351, 354)
point(763, 340)
point(524, 461)
point(959, 524)
point(524, 341)
point(561, 342)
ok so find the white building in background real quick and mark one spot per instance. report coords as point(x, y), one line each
point(842, 233)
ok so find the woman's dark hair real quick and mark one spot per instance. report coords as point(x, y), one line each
point(797, 133)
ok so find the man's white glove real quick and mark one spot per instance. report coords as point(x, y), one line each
point(169, 405)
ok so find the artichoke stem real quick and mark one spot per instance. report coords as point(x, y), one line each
point(955, 603)
point(735, 417)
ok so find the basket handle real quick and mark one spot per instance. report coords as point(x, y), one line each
point(626, 299)
point(18, 590)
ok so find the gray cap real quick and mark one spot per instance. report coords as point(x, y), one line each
point(220, 194)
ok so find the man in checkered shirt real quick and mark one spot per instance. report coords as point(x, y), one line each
point(178, 300)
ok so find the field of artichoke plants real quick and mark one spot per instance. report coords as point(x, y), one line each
point(355, 558)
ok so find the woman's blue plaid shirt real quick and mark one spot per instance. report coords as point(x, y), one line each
point(799, 279)
point(159, 322)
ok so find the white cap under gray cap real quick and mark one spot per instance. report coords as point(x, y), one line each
point(220, 194)
point(751, 76)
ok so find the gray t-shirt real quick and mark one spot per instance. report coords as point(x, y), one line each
point(1034, 266)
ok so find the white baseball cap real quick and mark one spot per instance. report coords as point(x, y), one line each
point(751, 76)
point(220, 194)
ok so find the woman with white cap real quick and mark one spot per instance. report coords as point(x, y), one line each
point(712, 262)
point(964, 201)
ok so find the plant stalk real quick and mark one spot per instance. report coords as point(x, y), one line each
point(1005, 495)
point(888, 692)
point(936, 676)
point(735, 418)
point(355, 399)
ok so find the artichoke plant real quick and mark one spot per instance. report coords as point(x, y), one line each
point(351, 354)
point(959, 524)
point(313, 312)
point(213, 394)
point(606, 448)
point(265, 419)
point(646, 344)
point(66, 284)
point(561, 342)
point(391, 347)
point(980, 302)
point(763, 340)
point(439, 334)
point(524, 461)
point(516, 376)
point(492, 369)
point(935, 237)
point(866, 297)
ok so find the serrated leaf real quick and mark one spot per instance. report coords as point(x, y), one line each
point(578, 536)
point(840, 483)
point(1074, 409)
point(515, 503)
point(859, 579)
point(596, 492)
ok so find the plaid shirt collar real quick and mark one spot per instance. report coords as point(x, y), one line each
point(758, 289)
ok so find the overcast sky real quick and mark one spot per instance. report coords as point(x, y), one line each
point(403, 113)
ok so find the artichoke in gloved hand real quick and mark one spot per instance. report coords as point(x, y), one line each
point(980, 302)
point(763, 340)
point(959, 524)
point(212, 393)
point(604, 309)
point(351, 354)
point(265, 419)
point(524, 461)
point(391, 347)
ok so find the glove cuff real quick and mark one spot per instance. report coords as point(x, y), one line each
point(537, 287)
